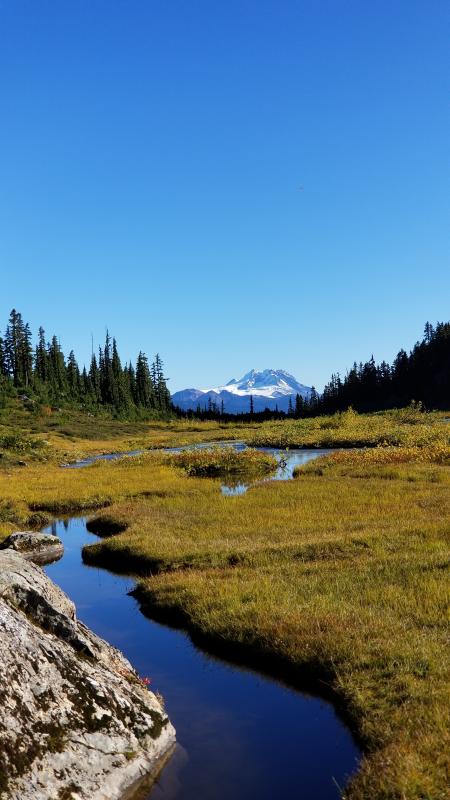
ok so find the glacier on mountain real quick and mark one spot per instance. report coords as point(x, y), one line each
point(269, 388)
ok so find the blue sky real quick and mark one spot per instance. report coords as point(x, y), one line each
point(232, 184)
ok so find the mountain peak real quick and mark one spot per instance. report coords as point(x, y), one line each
point(268, 387)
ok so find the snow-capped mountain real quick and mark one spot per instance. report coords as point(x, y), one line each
point(269, 388)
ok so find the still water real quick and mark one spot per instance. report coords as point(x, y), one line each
point(241, 736)
point(287, 461)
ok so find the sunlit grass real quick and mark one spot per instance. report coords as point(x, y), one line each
point(400, 428)
point(224, 461)
point(67, 435)
point(340, 575)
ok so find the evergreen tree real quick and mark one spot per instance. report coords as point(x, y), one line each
point(3, 367)
point(26, 357)
point(145, 396)
point(45, 372)
point(86, 390)
point(108, 387)
point(162, 394)
point(41, 358)
point(121, 394)
point(73, 376)
point(94, 380)
point(57, 369)
point(16, 348)
point(131, 381)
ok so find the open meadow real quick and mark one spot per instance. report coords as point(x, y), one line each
point(338, 579)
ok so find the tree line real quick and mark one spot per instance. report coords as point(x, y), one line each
point(43, 371)
point(422, 375)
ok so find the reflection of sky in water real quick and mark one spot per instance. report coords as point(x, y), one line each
point(241, 736)
point(287, 459)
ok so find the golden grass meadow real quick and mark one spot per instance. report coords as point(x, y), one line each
point(337, 579)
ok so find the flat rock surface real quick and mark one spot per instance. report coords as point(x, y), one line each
point(38, 547)
point(76, 722)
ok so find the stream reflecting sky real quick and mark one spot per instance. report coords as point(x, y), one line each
point(240, 735)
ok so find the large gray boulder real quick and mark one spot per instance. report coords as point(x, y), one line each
point(76, 721)
point(42, 548)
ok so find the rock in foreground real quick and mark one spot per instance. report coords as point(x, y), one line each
point(41, 548)
point(76, 722)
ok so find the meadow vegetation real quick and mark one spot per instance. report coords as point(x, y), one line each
point(400, 428)
point(339, 578)
point(65, 434)
point(68, 435)
point(224, 462)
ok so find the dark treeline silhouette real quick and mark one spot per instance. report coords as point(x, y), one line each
point(423, 376)
point(42, 373)
point(211, 410)
point(216, 413)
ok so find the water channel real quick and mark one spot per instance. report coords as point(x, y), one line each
point(241, 735)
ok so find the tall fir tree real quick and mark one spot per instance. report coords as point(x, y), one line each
point(145, 395)
point(41, 358)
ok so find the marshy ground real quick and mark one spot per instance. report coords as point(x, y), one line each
point(339, 576)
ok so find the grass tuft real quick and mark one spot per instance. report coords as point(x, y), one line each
point(224, 462)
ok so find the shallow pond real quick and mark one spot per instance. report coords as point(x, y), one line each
point(241, 736)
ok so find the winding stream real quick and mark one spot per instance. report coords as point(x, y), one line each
point(287, 461)
point(241, 735)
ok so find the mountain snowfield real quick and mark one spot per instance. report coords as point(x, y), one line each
point(270, 388)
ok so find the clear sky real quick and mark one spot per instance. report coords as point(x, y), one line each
point(232, 183)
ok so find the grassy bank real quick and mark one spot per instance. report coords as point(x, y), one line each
point(68, 435)
point(400, 428)
point(340, 576)
point(59, 435)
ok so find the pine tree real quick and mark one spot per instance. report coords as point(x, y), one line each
point(144, 387)
point(43, 370)
point(162, 394)
point(73, 377)
point(428, 332)
point(41, 358)
point(57, 368)
point(313, 399)
point(26, 357)
point(86, 390)
point(121, 398)
point(109, 390)
point(3, 368)
point(94, 378)
point(131, 380)
point(14, 347)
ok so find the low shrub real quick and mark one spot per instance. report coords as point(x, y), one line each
point(221, 461)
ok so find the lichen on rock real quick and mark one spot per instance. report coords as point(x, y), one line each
point(72, 708)
point(41, 548)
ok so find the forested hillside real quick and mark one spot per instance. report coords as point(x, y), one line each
point(42, 373)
